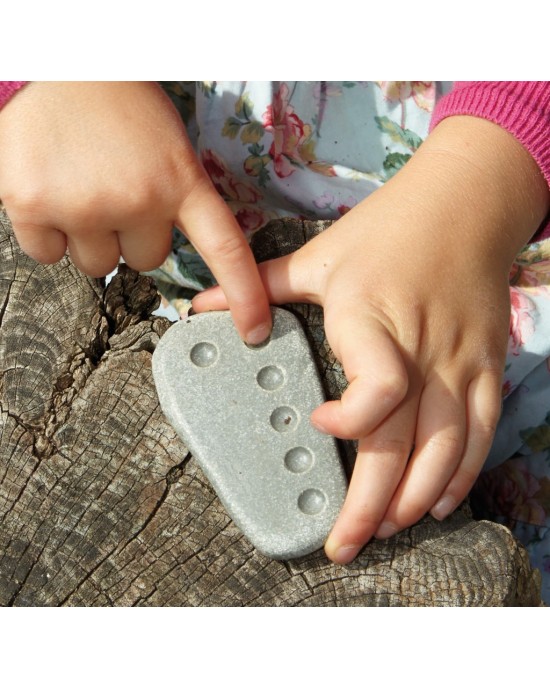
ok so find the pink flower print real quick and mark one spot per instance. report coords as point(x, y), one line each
point(522, 325)
point(327, 201)
point(227, 184)
point(533, 273)
point(422, 92)
point(507, 388)
point(290, 135)
point(512, 491)
point(518, 493)
point(250, 218)
point(348, 204)
point(324, 202)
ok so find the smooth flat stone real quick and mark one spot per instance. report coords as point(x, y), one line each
point(244, 414)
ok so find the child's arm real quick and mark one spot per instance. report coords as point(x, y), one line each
point(414, 286)
point(106, 169)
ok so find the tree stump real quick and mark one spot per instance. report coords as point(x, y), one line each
point(101, 504)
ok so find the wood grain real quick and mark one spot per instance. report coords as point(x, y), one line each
point(102, 505)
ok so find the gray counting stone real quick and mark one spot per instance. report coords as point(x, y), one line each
point(244, 414)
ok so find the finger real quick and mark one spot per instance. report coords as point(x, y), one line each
point(439, 445)
point(286, 280)
point(94, 255)
point(145, 248)
point(211, 299)
point(376, 373)
point(42, 243)
point(381, 461)
point(212, 229)
point(293, 278)
point(483, 411)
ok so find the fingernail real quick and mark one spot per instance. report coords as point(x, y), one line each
point(258, 335)
point(319, 427)
point(444, 507)
point(386, 530)
point(345, 554)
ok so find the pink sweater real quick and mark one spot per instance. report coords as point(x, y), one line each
point(520, 107)
point(7, 89)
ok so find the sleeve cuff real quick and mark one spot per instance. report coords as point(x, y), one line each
point(520, 107)
point(7, 90)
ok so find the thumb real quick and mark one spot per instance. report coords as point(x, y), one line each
point(288, 279)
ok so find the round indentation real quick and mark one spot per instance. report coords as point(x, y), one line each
point(284, 419)
point(204, 354)
point(261, 345)
point(270, 378)
point(298, 460)
point(312, 502)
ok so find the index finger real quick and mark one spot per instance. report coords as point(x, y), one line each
point(210, 226)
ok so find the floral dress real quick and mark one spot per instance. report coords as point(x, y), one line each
point(290, 149)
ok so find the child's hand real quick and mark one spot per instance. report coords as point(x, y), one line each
point(413, 282)
point(106, 170)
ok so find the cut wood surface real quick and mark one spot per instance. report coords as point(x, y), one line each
point(101, 503)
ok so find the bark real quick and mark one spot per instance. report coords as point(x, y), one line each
point(101, 504)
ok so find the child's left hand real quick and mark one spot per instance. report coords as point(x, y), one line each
point(414, 286)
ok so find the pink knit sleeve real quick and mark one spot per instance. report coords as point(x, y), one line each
point(520, 107)
point(7, 89)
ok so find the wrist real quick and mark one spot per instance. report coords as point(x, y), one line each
point(479, 185)
point(520, 107)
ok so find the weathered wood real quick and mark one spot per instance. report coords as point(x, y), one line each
point(101, 503)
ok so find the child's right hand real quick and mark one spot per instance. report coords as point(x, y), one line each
point(105, 170)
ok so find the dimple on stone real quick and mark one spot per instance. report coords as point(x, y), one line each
point(312, 502)
point(284, 419)
point(270, 378)
point(204, 354)
point(298, 460)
